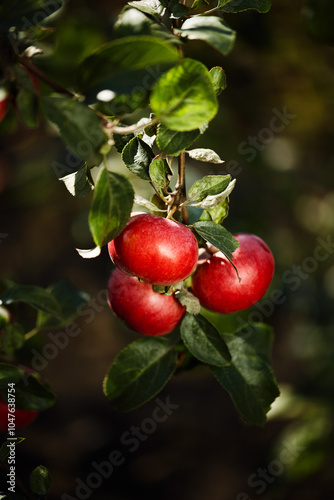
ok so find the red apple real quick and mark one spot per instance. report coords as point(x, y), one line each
point(216, 284)
point(22, 417)
point(140, 307)
point(158, 250)
point(4, 103)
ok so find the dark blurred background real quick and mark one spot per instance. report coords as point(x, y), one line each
point(275, 133)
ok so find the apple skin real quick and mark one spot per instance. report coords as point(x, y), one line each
point(4, 105)
point(22, 417)
point(140, 307)
point(215, 282)
point(157, 250)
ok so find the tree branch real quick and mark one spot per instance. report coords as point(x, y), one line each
point(181, 187)
point(27, 63)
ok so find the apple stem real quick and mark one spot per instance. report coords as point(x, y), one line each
point(181, 359)
point(171, 212)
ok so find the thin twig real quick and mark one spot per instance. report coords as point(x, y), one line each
point(27, 63)
point(206, 12)
point(211, 10)
point(30, 334)
point(133, 128)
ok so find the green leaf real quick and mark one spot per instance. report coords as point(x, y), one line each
point(234, 6)
point(132, 22)
point(5, 450)
point(78, 125)
point(178, 10)
point(70, 300)
point(139, 200)
point(133, 98)
point(12, 496)
point(33, 296)
point(27, 106)
point(8, 373)
point(111, 206)
point(187, 299)
point(203, 341)
point(40, 480)
point(249, 379)
point(126, 63)
point(218, 78)
point(160, 172)
point(219, 213)
point(199, 3)
point(184, 98)
point(172, 143)
point(78, 183)
point(121, 141)
point(137, 156)
point(207, 155)
point(211, 201)
point(24, 14)
point(154, 8)
point(30, 393)
point(210, 29)
point(219, 237)
point(139, 372)
point(208, 185)
point(12, 338)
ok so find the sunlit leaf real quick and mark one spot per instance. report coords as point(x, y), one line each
point(111, 206)
point(211, 30)
point(137, 156)
point(184, 97)
point(218, 78)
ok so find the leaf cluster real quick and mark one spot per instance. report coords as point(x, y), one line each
point(55, 307)
point(142, 69)
point(240, 361)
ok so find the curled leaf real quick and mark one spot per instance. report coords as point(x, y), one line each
point(89, 253)
point(207, 155)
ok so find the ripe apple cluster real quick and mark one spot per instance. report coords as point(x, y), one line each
point(152, 250)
